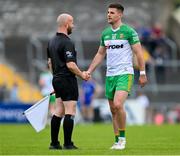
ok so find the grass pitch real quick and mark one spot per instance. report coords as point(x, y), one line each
point(95, 139)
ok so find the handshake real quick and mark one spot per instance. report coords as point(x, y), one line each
point(86, 75)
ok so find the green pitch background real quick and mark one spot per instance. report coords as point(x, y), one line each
point(95, 139)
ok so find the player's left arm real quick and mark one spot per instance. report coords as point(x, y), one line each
point(137, 49)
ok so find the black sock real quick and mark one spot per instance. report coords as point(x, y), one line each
point(68, 128)
point(55, 126)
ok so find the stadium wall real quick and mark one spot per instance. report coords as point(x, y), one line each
point(21, 17)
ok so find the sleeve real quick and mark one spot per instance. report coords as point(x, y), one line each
point(69, 52)
point(102, 40)
point(133, 37)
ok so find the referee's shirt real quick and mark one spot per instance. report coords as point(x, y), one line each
point(61, 50)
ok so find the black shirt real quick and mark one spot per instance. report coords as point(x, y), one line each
point(61, 50)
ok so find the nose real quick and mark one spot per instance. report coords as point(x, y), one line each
point(108, 15)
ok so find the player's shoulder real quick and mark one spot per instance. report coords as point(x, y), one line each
point(127, 28)
point(106, 31)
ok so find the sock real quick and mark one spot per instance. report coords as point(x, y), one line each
point(121, 132)
point(55, 126)
point(68, 129)
point(116, 138)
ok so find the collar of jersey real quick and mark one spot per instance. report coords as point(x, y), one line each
point(114, 30)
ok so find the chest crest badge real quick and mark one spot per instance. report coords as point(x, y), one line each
point(113, 36)
point(121, 36)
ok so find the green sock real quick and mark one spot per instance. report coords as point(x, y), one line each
point(116, 138)
point(121, 132)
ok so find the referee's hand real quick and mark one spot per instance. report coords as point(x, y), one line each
point(86, 75)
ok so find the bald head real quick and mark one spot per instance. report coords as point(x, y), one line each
point(65, 23)
point(63, 19)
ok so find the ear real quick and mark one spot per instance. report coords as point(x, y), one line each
point(120, 14)
point(66, 25)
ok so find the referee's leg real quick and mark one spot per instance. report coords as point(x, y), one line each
point(68, 125)
point(55, 124)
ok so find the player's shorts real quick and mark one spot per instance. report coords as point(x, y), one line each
point(66, 88)
point(52, 99)
point(87, 100)
point(119, 82)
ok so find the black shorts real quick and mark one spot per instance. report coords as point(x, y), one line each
point(66, 88)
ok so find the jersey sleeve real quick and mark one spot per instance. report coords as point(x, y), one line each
point(69, 52)
point(133, 37)
point(102, 40)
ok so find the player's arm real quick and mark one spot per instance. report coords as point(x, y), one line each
point(137, 49)
point(97, 59)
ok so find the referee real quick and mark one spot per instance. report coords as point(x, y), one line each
point(62, 61)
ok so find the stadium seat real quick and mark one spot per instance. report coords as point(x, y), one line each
point(27, 92)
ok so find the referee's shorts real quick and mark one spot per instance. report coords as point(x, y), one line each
point(66, 88)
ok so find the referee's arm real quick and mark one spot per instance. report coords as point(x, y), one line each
point(74, 69)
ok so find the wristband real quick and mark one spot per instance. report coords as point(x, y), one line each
point(142, 72)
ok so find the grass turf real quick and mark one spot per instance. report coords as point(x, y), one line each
point(95, 139)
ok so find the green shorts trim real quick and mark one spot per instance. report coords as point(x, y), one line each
point(119, 82)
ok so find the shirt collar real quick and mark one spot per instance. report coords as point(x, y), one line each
point(114, 30)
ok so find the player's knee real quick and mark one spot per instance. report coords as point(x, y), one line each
point(118, 106)
point(113, 110)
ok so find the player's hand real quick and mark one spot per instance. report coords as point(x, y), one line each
point(89, 74)
point(142, 80)
point(86, 75)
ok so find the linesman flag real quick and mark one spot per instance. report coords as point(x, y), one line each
point(38, 113)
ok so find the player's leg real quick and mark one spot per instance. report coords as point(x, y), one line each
point(52, 103)
point(118, 117)
point(70, 111)
point(123, 87)
point(55, 124)
point(90, 112)
point(84, 112)
point(119, 99)
point(115, 122)
point(110, 90)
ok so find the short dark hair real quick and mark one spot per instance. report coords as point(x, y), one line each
point(117, 6)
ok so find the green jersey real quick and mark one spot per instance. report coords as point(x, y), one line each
point(118, 48)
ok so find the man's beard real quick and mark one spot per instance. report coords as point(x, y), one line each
point(69, 30)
